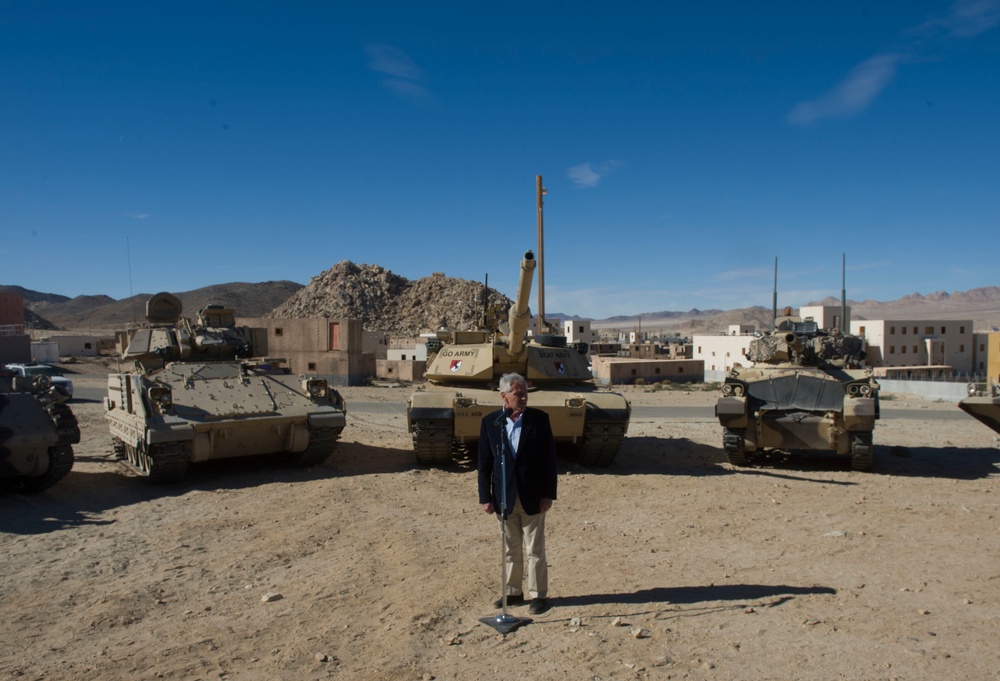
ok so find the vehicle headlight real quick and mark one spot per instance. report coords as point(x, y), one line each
point(317, 387)
point(738, 391)
point(727, 389)
point(972, 389)
point(866, 390)
point(853, 389)
point(160, 395)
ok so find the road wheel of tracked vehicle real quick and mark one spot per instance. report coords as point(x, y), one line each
point(600, 443)
point(159, 465)
point(861, 452)
point(118, 448)
point(60, 463)
point(736, 453)
point(432, 442)
point(322, 443)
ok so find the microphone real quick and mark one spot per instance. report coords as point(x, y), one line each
point(503, 416)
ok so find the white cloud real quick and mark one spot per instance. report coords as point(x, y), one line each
point(405, 78)
point(972, 17)
point(855, 93)
point(965, 18)
point(138, 216)
point(586, 175)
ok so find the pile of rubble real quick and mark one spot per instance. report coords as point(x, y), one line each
point(386, 302)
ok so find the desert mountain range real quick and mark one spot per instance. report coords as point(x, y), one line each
point(387, 302)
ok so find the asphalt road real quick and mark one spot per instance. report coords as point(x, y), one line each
point(686, 413)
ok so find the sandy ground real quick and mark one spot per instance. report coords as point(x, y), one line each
point(671, 564)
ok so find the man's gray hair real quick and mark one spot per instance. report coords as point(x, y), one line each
point(507, 381)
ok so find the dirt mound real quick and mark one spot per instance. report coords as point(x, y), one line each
point(387, 302)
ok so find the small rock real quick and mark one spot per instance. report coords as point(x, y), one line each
point(617, 622)
point(321, 657)
point(639, 632)
point(923, 612)
point(836, 533)
point(270, 597)
point(575, 622)
point(662, 661)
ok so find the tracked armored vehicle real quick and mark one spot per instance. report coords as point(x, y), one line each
point(983, 404)
point(37, 432)
point(804, 393)
point(199, 391)
point(444, 419)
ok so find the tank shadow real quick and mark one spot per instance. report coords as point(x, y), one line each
point(957, 463)
point(931, 462)
point(661, 456)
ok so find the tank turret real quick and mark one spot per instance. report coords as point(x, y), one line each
point(590, 424)
point(206, 390)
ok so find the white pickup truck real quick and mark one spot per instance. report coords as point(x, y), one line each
point(42, 370)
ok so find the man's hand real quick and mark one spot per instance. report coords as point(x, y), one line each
point(545, 504)
point(488, 508)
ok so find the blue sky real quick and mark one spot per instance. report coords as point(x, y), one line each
point(684, 146)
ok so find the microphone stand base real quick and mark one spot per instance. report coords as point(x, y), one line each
point(505, 623)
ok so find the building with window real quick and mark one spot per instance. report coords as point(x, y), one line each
point(331, 348)
point(918, 343)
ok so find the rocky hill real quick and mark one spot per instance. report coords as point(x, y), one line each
point(384, 301)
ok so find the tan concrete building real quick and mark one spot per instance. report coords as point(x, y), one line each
point(917, 342)
point(626, 371)
point(331, 348)
point(986, 355)
point(825, 316)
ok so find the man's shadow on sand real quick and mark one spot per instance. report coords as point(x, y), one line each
point(696, 594)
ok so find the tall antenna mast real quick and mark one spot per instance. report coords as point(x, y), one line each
point(774, 295)
point(539, 192)
point(131, 295)
point(844, 326)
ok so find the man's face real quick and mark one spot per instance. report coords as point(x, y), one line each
point(516, 399)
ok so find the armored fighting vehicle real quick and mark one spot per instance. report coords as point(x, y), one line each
point(37, 432)
point(804, 393)
point(198, 391)
point(444, 420)
point(983, 404)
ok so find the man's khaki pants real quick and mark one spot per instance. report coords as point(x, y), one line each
point(525, 535)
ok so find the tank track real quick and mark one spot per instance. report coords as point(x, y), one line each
point(162, 464)
point(60, 464)
point(600, 443)
point(65, 422)
point(732, 442)
point(322, 444)
point(861, 452)
point(432, 442)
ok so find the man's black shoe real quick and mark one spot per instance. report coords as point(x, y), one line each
point(514, 599)
point(538, 605)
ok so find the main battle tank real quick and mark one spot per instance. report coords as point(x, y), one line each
point(37, 432)
point(805, 392)
point(983, 404)
point(196, 392)
point(588, 425)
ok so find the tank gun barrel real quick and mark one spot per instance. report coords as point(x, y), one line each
point(519, 315)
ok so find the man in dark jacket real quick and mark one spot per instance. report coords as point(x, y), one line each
point(518, 440)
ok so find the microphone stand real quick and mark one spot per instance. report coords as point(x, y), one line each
point(503, 622)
